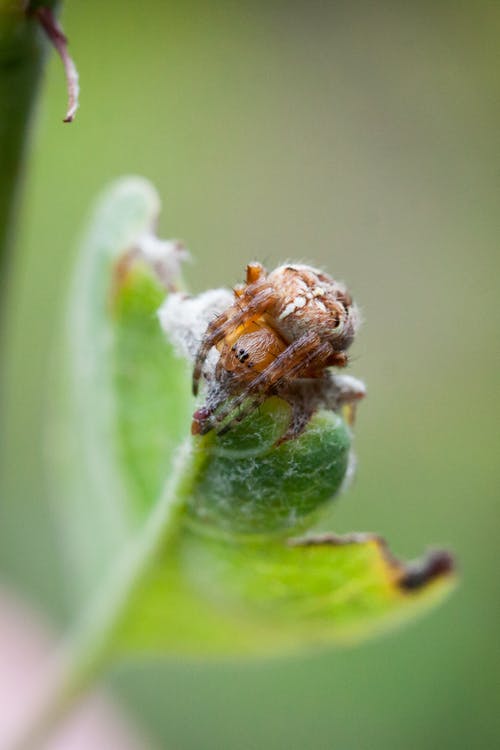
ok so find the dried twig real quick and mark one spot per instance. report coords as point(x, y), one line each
point(57, 37)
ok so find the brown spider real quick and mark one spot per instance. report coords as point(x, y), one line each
point(282, 327)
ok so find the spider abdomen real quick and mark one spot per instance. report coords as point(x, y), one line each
point(308, 299)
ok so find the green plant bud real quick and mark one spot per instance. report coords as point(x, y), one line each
point(249, 483)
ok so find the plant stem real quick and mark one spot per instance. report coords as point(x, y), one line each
point(89, 652)
point(22, 55)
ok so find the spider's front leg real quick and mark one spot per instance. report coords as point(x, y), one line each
point(255, 272)
point(252, 303)
point(305, 353)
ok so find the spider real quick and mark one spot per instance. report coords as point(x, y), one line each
point(283, 327)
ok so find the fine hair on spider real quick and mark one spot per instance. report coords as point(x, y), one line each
point(282, 328)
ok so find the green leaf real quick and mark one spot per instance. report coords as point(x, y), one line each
point(218, 597)
point(151, 388)
point(189, 541)
point(123, 402)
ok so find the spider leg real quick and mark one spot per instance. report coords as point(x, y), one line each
point(258, 301)
point(298, 421)
point(299, 418)
point(337, 359)
point(255, 272)
point(253, 403)
point(302, 410)
point(300, 355)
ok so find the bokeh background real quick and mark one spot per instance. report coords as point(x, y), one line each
point(363, 137)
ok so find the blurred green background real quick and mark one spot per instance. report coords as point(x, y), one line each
point(363, 137)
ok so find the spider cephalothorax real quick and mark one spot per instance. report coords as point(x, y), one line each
point(290, 324)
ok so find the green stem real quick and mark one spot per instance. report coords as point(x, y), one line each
point(22, 54)
point(88, 653)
